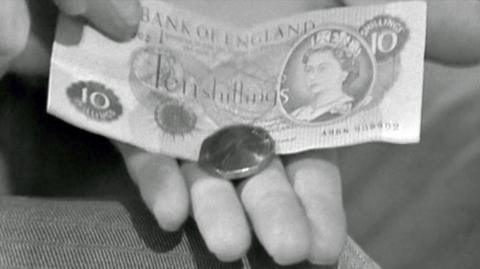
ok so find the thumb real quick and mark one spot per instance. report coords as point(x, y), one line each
point(118, 19)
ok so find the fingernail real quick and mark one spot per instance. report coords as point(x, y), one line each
point(72, 7)
point(128, 11)
point(118, 18)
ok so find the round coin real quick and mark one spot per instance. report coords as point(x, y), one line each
point(237, 151)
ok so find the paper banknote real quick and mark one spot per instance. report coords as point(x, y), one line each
point(325, 78)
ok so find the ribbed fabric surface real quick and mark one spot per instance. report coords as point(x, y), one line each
point(45, 233)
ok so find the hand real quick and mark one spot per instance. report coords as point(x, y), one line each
point(27, 28)
point(294, 206)
point(295, 209)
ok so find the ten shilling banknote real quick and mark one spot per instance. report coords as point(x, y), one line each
point(324, 78)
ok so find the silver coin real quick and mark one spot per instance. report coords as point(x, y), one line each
point(237, 151)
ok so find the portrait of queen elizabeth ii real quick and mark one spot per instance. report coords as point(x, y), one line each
point(326, 76)
point(326, 70)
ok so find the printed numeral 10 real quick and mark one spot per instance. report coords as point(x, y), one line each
point(384, 42)
point(97, 99)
